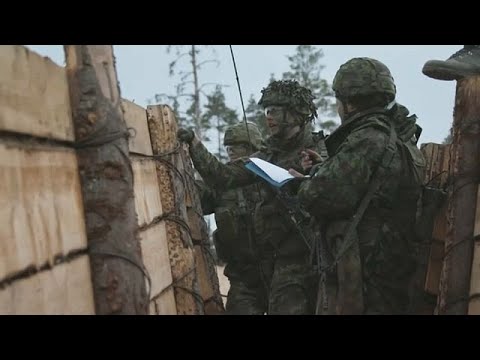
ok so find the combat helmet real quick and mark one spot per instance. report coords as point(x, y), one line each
point(237, 133)
point(362, 77)
point(291, 94)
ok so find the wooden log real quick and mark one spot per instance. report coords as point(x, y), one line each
point(40, 206)
point(136, 119)
point(474, 305)
point(66, 289)
point(465, 166)
point(207, 271)
point(153, 235)
point(34, 96)
point(155, 256)
point(162, 305)
point(146, 189)
point(437, 157)
point(425, 281)
point(107, 181)
point(170, 175)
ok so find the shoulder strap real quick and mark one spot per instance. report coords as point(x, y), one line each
point(378, 179)
point(241, 200)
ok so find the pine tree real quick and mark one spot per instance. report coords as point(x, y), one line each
point(219, 116)
point(189, 87)
point(305, 67)
point(255, 114)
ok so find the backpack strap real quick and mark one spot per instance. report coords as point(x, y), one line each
point(242, 204)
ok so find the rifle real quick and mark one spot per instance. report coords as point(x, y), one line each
point(298, 217)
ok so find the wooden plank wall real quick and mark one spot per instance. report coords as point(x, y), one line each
point(170, 175)
point(474, 305)
point(44, 263)
point(34, 96)
point(206, 267)
point(437, 172)
point(153, 233)
point(44, 266)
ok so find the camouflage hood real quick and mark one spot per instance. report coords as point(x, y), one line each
point(405, 125)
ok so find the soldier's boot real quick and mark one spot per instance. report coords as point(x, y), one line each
point(464, 63)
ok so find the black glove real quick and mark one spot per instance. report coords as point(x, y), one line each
point(185, 135)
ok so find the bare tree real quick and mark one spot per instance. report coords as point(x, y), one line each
point(189, 87)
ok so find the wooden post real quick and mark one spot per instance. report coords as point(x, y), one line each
point(207, 273)
point(425, 284)
point(171, 179)
point(107, 181)
point(474, 305)
point(465, 170)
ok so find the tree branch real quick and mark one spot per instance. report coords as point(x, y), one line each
point(208, 61)
point(205, 84)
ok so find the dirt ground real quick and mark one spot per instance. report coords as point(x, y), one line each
point(224, 283)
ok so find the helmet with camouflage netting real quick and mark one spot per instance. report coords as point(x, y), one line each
point(292, 95)
point(237, 134)
point(363, 77)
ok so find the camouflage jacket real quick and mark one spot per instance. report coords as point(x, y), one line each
point(234, 238)
point(338, 185)
point(272, 228)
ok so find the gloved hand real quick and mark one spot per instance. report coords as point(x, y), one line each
point(185, 135)
point(309, 158)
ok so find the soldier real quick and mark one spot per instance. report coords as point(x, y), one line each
point(464, 63)
point(248, 269)
point(366, 194)
point(289, 110)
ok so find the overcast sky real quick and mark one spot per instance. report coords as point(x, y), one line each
point(143, 72)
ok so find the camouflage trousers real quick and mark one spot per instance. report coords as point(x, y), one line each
point(249, 288)
point(291, 291)
point(243, 299)
point(365, 290)
point(293, 288)
point(375, 299)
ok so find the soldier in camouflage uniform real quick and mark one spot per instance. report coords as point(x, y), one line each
point(289, 109)
point(367, 267)
point(248, 268)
